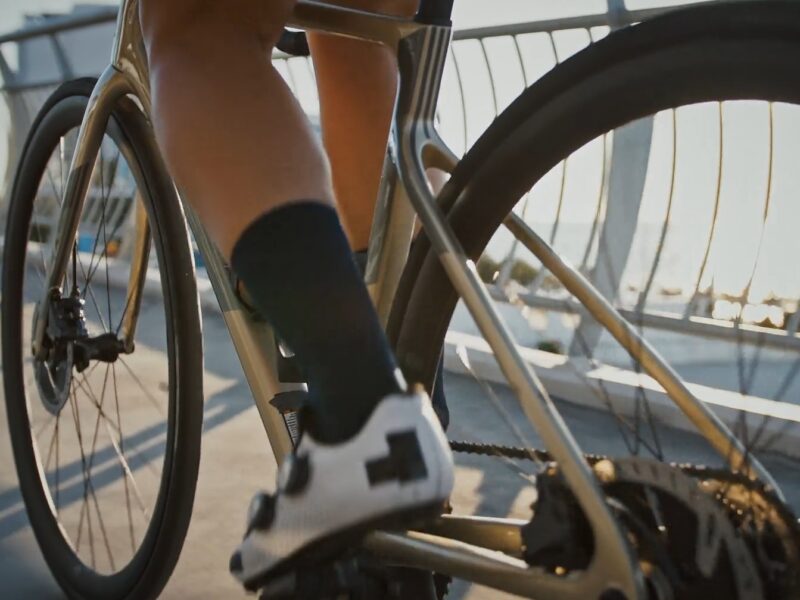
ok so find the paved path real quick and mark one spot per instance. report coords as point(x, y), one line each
point(233, 436)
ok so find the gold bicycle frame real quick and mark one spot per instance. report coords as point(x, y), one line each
point(487, 551)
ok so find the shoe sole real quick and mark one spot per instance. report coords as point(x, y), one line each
point(333, 545)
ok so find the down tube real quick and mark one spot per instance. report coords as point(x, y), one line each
point(253, 340)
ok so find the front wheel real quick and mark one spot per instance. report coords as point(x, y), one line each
point(106, 434)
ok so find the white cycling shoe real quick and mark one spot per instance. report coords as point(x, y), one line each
point(396, 470)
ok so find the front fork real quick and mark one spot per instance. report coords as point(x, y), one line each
point(127, 74)
point(90, 136)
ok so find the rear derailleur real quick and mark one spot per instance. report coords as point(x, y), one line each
point(698, 533)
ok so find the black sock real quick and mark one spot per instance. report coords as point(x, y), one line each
point(297, 266)
point(438, 399)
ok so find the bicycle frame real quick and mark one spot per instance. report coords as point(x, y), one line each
point(467, 547)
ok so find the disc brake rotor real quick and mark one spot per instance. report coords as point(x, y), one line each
point(54, 379)
point(66, 325)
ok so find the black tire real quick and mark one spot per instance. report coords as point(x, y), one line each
point(737, 51)
point(151, 564)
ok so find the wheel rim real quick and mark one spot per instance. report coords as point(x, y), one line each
point(102, 445)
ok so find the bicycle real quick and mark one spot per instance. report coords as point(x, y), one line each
point(746, 541)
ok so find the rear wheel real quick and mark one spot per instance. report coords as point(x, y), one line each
point(717, 59)
point(106, 435)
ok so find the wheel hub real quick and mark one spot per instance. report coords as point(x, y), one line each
point(68, 349)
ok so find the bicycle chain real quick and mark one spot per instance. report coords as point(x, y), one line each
point(699, 472)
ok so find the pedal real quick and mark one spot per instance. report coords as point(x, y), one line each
point(289, 404)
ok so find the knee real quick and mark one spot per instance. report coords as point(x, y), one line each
point(185, 25)
point(395, 8)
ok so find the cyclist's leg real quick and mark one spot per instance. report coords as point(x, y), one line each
point(357, 84)
point(233, 134)
point(241, 148)
point(238, 144)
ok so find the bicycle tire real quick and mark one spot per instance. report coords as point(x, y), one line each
point(737, 51)
point(742, 50)
point(149, 568)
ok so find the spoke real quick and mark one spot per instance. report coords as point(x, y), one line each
point(85, 504)
point(129, 474)
point(93, 254)
point(102, 526)
point(598, 389)
point(497, 404)
point(39, 272)
point(154, 401)
point(108, 285)
point(605, 397)
point(784, 387)
point(86, 386)
point(57, 192)
point(643, 400)
point(105, 195)
point(88, 488)
point(42, 429)
point(123, 462)
point(61, 161)
point(99, 407)
point(51, 447)
point(791, 375)
point(103, 199)
point(99, 312)
point(128, 299)
point(122, 452)
point(103, 254)
point(92, 296)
